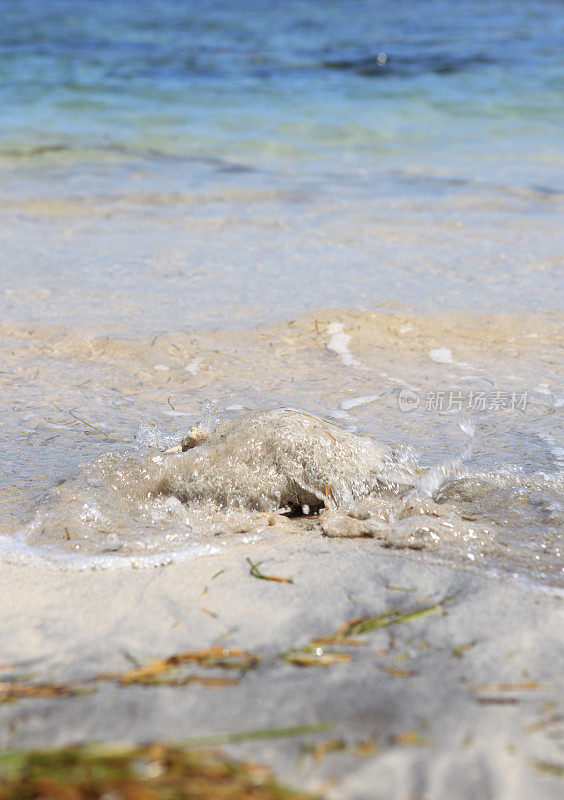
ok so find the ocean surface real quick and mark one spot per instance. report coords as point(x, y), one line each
point(351, 208)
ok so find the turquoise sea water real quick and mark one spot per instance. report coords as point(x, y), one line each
point(350, 153)
point(472, 89)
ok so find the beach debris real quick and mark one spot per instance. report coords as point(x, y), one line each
point(17, 690)
point(194, 437)
point(343, 640)
point(211, 682)
point(550, 721)
point(399, 672)
point(316, 654)
point(159, 672)
point(315, 657)
point(256, 573)
point(498, 701)
point(522, 686)
point(217, 739)
point(459, 649)
point(505, 694)
point(401, 589)
point(548, 768)
point(280, 459)
point(212, 657)
point(365, 747)
point(319, 750)
point(88, 424)
point(393, 616)
point(413, 738)
point(156, 771)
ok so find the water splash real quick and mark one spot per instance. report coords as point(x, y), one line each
point(434, 477)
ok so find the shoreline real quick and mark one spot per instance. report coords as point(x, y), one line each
point(73, 400)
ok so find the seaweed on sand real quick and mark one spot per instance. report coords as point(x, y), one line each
point(15, 690)
point(159, 672)
point(393, 616)
point(155, 771)
point(315, 657)
point(547, 768)
point(315, 654)
point(212, 657)
point(89, 424)
point(256, 573)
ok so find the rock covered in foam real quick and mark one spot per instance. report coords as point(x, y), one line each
point(276, 459)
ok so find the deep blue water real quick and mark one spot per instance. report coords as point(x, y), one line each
point(465, 88)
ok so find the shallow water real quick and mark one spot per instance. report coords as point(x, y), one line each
point(81, 482)
point(356, 215)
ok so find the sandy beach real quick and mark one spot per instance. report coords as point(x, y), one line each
point(323, 244)
point(460, 696)
point(465, 702)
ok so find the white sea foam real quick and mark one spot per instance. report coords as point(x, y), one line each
point(442, 355)
point(355, 402)
point(555, 449)
point(193, 366)
point(339, 413)
point(435, 476)
point(14, 550)
point(339, 344)
point(542, 388)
